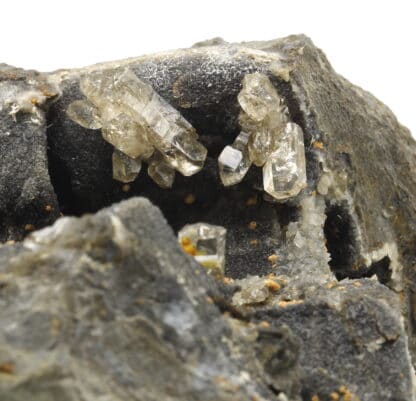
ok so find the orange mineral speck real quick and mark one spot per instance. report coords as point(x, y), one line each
point(189, 199)
point(185, 241)
point(251, 201)
point(252, 225)
point(6, 368)
point(342, 389)
point(334, 396)
point(29, 227)
point(273, 258)
point(284, 304)
point(187, 246)
point(272, 285)
point(318, 145)
point(264, 324)
point(227, 280)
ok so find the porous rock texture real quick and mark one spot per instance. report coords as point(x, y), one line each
point(107, 307)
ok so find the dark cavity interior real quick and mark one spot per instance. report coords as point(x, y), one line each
point(342, 246)
point(81, 172)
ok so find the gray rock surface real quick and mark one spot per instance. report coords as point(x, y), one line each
point(352, 338)
point(27, 198)
point(107, 307)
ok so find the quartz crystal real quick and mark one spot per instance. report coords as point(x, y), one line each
point(160, 171)
point(234, 161)
point(127, 136)
point(284, 174)
point(206, 243)
point(264, 116)
point(125, 169)
point(136, 121)
point(253, 290)
point(85, 114)
point(258, 96)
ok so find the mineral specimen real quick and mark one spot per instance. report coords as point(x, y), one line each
point(136, 120)
point(206, 243)
point(125, 169)
point(264, 116)
point(234, 161)
point(258, 98)
point(333, 268)
point(254, 290)
point(284, 173)
point(160, 171)
point(85, 114)
point(268, 140)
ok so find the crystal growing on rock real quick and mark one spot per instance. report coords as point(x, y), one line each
point(253, 290)
point(206, 243)
point(160, 171)
point(234, 161)
point(284, 174)
point(136, 120)
point(127, 136)
point(267, 139)
point(264, 116)
point(85, 114)
point(125, 169)
point(258, 97)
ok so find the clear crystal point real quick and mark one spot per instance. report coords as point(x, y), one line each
point(263, 116)
point(160, 171)
point(234, 161)
point(85, 114)
point(125, 169)
point(206, 243)
point(127, 136)
point(135, 120)
point(284, 174)
point(258, 96)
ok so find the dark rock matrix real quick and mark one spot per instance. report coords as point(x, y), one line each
point(316, 298)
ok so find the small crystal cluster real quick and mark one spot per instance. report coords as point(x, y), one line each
point(206, 243)
point(255, 289)
point(144, 127)
point(140, 125)
point(268, 139)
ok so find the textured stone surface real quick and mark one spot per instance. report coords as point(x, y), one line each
point(354, 220)
point(346, 330)
point(27, 198)
point(108, 307)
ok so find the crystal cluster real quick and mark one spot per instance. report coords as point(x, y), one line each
point(206, 243)
point(140, 125)
point(255, 289)
point(268, 139)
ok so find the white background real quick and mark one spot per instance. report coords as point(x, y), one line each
point(370, 42)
